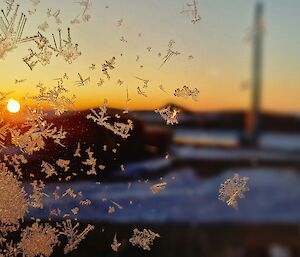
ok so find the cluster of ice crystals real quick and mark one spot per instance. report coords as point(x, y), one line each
point(38, 240)
point(13, 202)
point(143, 239)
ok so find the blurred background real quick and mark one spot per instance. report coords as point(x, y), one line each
point(246, 121)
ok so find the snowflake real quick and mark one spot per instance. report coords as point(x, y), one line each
point(38, 240)
point(73, 236)
point(232, 189)
point(170, 116)
point(13, 203)
point(143, 238)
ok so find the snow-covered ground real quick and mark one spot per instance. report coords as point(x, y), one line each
point(273, 197)
point(278, 141)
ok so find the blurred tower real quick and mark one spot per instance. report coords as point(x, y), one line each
point(253, 126)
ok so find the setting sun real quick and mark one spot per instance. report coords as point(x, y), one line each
point(13, 106)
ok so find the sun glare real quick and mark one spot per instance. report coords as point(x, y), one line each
point(13, 106)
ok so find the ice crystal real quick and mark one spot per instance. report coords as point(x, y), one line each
point(70, 192)
point(77, 151)
point(108, 65)
point(19, 81)
point(92, 67)
point(43, 26)
point(158, 187)
point(34, 139)
point(12, 197)
point(170, 116)
point(143, 239)
point(193, 11)
point(82, 82)
point(15, 161)
point(122, 39)
point(48, 169)
point(232, 189)
point(120, 129)
point(84, 15)
point(73, 235)
point(91, 161)
point(117, 205)
point(11, 29)
point(86, 202)
point(63, 164)
point(161, 87)
point(185, 92)
point(55, 15)
point(66, 48)
point(100, 82)
point(120, 22)
point(115, 245)
point(3, 131)
point(38, 195)
point(55, 97)
point(145, 82)
point(141, 92)
point(111, 209)
point(170, 52)
point(38, 240)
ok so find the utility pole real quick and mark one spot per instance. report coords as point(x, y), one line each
point(253, 125)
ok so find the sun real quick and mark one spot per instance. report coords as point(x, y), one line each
point(13, 106)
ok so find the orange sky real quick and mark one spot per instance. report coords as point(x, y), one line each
point(221, 64)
